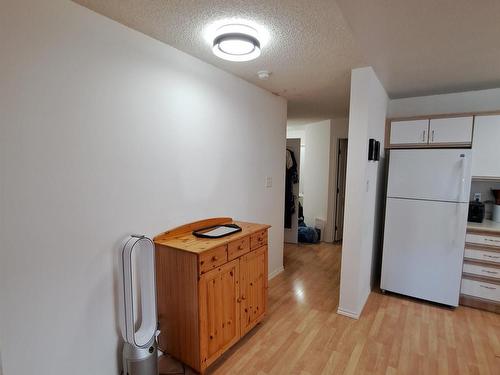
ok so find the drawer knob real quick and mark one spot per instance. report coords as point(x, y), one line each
point(259, 239)
point(491, 256)
point(487, 287)
point(240, 247)
point(215, 258)
point(491, 240)
point(490, 272)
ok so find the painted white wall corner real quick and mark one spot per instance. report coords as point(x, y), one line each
point(364, 191)
point(104, 132)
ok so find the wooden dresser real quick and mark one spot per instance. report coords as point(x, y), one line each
point(481, 270)
point(210, 292)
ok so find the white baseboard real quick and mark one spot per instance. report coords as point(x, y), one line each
point(349, 314)
point(275, 273)
point(352, 314)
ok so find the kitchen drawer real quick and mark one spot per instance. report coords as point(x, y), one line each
point(480, 270)
point(238, 248)
point(258, 239)
point(480, 289)
point(208, 260)
point(483, 255)
point(480, 239)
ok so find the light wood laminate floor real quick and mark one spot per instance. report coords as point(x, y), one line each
point(304, 335)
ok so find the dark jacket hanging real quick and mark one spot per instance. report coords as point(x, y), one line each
point(291, 178)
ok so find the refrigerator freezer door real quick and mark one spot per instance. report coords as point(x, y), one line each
point(430, 174)
point(423, 249)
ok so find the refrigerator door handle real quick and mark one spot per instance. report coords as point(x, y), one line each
point(463, 198)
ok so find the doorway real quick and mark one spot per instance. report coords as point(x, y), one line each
point(292, 191)
point(340, 196)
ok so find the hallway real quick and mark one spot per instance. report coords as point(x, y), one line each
point(395, 335)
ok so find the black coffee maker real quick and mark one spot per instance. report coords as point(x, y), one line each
point(476, 211)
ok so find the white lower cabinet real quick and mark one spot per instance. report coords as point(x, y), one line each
point(481, 270)
point(481, 289)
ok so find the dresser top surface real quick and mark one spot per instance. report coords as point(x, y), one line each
point(182, 238)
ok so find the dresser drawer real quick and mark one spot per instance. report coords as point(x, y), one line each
point(210, 259)
point(480, 270)
point(480, 239)
point(258, 239)
point(485, 255)
point(481, 289)
point(237, 248)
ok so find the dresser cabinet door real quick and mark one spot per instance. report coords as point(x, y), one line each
point(253, 288)
point(219, 311)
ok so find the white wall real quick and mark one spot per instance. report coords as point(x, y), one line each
point(104, 132)
point(364, 191)
point(469, 101)
point(316, 171)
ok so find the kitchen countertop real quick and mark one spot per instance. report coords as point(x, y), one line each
point(485, 226)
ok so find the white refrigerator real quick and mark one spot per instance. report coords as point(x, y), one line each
point(425, 223)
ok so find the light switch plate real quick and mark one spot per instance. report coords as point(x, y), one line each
point(269, 182)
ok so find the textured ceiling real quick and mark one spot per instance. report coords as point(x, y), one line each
point(310, 51)
point(423, 47)
point(417, 47)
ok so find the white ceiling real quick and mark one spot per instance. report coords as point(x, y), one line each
point(424, 47)
point(417, 47)
point(310, 51)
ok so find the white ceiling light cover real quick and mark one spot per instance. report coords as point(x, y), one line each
point(236, 42)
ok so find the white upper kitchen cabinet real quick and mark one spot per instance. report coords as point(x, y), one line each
point(486, 147)
point(451, 130)
point(409, 132)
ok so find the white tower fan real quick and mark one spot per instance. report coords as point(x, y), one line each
point(140, 353)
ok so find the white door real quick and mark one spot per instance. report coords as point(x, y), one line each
point(486, 146)
point(291, 234)
point(451, 130)
point(423, 249)
point(409, 132)
point(432, 174)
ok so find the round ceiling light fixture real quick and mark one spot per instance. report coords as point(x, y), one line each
point(236, 43)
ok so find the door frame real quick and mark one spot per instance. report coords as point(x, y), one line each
point(291, 234)
point(338, 222)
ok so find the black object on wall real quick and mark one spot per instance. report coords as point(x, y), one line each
point(371, 148)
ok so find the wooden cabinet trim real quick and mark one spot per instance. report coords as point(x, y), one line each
point(475, 246)
point(479, 303)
